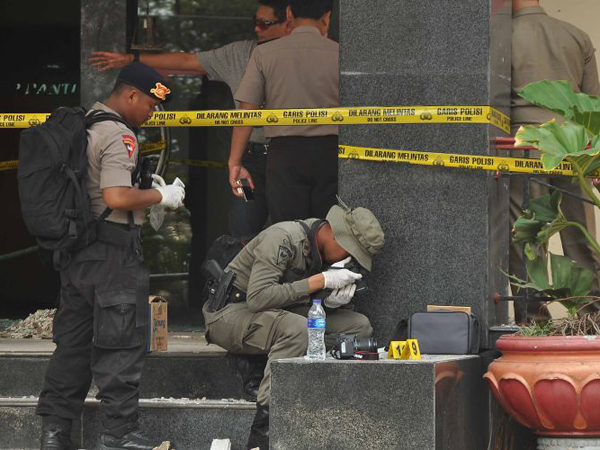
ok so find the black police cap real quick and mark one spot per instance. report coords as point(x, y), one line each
point(146, 79)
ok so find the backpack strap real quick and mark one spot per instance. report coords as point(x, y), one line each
point(311, 233)
point(97, 116)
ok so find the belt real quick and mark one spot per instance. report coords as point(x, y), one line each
point(256, 148)
point(119, 234)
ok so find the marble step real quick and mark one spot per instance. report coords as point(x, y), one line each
point(190, 369)
point(188, 424)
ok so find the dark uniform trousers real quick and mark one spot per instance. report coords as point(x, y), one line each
point(302, 177)
point(249, 218)
point(100, 333)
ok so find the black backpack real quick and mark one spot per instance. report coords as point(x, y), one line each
point(52, 170)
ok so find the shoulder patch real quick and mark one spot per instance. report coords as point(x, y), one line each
point(129, 142)
point(284, 254)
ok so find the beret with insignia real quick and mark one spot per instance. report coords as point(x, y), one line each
point(146, 79)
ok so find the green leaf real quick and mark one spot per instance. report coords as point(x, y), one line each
point(538, 273)
point(526, 229)
point(589, 119)
point(556, 142)
point(582, 281)
point(526, 136)
point(545, 207)
point(530, 251)
point(558, 96)
point(562, 268)
point(551, 229)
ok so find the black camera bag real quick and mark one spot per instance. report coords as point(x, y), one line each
point(445, 332)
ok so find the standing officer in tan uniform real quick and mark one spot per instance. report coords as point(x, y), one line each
point(547, 48)
point(226, 64)
point(101, 325)
point(297, 71)
point(275, 274)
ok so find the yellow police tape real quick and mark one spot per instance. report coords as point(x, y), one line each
point(302, 117)
point(482, 162)
point(8, 165)
point(199, 163)
point(152, 147)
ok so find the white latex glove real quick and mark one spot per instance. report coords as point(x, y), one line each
point(158, 181)
point(172, 194)
point(339, 278)
point(340, 297)
point(342, 263)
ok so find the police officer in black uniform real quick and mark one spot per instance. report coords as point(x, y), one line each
point(100, 327)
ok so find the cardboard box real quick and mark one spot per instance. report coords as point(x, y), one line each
point(465, 309)
point(158, 329)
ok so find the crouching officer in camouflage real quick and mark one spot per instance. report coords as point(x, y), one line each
point(100, 327)
point(271, 280)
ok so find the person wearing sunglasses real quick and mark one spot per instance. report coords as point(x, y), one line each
point(226, 64)
point(297, 71)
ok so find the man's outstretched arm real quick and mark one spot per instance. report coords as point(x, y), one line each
point(172, 61)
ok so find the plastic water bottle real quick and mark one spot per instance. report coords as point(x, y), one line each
point(316, 331)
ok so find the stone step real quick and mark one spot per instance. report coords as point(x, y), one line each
point(190, 369)
point(188, 424)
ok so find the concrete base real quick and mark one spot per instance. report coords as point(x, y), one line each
point(437, 403)
point(568, 444)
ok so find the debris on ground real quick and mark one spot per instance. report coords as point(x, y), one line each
point(164, 446)
point(221, 444)
point(5, 323)
point(38, 325)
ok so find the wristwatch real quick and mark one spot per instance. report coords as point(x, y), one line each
point(136, 55)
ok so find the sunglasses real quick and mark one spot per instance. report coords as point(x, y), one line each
point(263, 25)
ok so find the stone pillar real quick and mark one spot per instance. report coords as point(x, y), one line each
point(103, 27)
point(446, 229)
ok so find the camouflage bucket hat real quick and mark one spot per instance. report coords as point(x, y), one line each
point(358, 232)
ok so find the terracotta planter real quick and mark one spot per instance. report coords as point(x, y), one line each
point(549, 384)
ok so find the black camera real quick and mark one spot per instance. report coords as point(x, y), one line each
point(352, 347)
point(354, 266)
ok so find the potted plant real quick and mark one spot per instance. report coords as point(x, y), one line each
point(548, 377)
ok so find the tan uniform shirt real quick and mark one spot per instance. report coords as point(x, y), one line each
point(297, 71)
point(112, 153)
point(547, 48)
point(228, 65)
point(272, 269)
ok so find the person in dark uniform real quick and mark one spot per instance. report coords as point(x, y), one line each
point(228, 64)
point(100, 326)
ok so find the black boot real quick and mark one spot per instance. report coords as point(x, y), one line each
point(252, 369)
point(259, 431)
point(134, 440)
point(55, 436)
